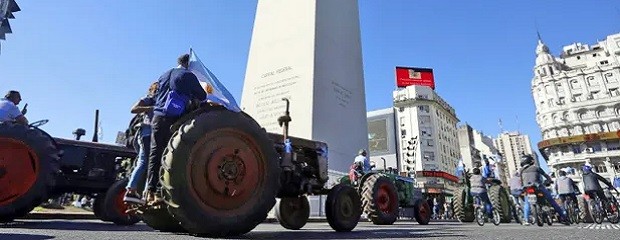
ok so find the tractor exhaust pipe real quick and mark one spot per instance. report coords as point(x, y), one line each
point(96, 132)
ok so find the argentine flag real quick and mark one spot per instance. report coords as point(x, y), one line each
point(460, 168)
point(216, 92)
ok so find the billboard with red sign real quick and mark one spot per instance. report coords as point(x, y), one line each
point(407, 76)
point(438, 174)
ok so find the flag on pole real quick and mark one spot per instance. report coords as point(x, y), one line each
point(216, 92)
point(460, 168)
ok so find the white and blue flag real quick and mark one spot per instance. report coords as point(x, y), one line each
point(460, 168)
point(216, 92)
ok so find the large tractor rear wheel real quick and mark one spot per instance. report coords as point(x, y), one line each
point(464, 212)
point(28, 162)
point(500, 201)
point(293, 212)
point(114, 206)
point(220, 175)
point(380, 200)
point(161, 220)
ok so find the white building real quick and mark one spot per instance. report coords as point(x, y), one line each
point(513, 145)
point(578, 105)
point(475, 148)
point(382, 139)
point(427, 138)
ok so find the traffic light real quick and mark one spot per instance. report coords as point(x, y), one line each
point(7, 8)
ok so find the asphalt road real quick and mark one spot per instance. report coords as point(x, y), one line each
point(95, 230)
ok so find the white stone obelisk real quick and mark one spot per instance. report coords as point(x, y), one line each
point(309, 51)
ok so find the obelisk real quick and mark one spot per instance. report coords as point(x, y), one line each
point(309, 51)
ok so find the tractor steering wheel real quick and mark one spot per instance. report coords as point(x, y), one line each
point(39, 123)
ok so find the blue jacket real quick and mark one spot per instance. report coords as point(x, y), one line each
point(181, 81)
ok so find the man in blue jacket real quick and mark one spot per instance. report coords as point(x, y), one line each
point(184, 83)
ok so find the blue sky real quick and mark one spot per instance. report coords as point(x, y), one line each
point(69, 58)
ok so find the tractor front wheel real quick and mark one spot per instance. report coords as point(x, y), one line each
point(422, 212)
point(114, 206)
point(293, 213)
point(343, 208)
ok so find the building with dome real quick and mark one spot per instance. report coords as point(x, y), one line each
point(577, 102)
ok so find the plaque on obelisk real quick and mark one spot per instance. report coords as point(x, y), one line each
point(309, 51)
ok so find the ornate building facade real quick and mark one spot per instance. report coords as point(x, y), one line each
point(577, 102)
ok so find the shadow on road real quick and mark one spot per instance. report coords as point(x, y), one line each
point(75, 225)
point(15, 236)
point(356, 234)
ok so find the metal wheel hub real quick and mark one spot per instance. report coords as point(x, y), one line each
point(231, 169)
point(226, 170)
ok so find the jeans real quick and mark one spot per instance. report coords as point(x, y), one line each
point(484, 197)
point(550, 200)
point(139, 170)
point(160, 135)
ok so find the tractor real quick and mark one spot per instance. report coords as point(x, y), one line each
point(35, 167)
point(384, 194)
point(222, 172)
point(464, 201)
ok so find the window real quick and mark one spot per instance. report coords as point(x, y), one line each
point(574, 84)
point(425, 119)
point(424, 108)
point(592, 81)
point(430, 156)
point(577, 97)
point(614, 92)
point(559, 87)
point(609, 77)
point(604, 62)
point(582, 115)
point(430, 142)
point(426, 131)
point(595, 94)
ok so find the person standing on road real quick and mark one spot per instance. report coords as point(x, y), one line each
point(186, 85)
point(145, 107)
point(9, 112)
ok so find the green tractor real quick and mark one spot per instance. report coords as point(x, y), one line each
point(464, 201)
point(385, 194)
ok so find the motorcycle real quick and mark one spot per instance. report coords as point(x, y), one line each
point(539, 208)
